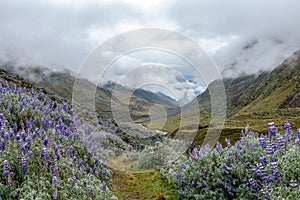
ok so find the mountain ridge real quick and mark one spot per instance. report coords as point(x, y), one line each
point(251, 99)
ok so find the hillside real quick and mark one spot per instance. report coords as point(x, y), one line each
point(109, 143)
point(263, 91)
point(252, 99)
point(61, 84)
point(132, 136)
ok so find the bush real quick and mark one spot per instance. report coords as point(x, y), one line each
point(256, 167)
point(167, 151)
point(42, 154)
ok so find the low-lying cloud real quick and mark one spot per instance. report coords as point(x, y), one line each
point(241, 36)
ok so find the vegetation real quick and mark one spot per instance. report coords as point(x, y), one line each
point(255, 167)
point(47, 153)
point(142, 185)
point(42, 153)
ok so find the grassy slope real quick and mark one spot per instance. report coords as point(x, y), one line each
point(143, 185)
point(253, 100)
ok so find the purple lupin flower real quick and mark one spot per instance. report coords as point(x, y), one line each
point(70, 150)
point(104, 173)
point(65, 107)
point(238, 144)
point(253, 183)
point(104, 186)
point(6, 168)
point(6, 136)
point(247, 128)
point(96, 162)
point(70, 136)
point(32, 92)
point(281, 142)
point(272, 129)
point(56, 147)
point(275, 171)
point(238, 154)
point(76, 136)
point(225, 167)
point(219, 146)
point(84, 183)
point(269, 150)
point(11, 133)
point(73, 180)
point(54, 181)
point(28, 124)
point(54, 196)
point(18, 139)
point(2, 146)
point(2, 131)
point(180, 193)
point(268, 179)
point(72, 127)
point(253, 147)
point(45, 153)
point(58, 157)
point(24, 165)
point(177, 175)
point(263, 161)
point(259, 171)
point(23, 135)
point(183, 166)
point(263, 142)
point(41, 96)
point(30, 154)
point(58, 128)
point(15, 128)
point(55, 170)
point(16, 196)
point(228, 144)
point(288, 127)
point(6, 123)
point(74, 159)
point(294, 184)
point(46, 141)
point(90, 190)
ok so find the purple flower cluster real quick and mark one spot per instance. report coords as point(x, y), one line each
point(24, 165)
point(42, 135)
point(253, 168)
point(6, 168)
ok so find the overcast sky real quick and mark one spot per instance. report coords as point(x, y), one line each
point(240, 36)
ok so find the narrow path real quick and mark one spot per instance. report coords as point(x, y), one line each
point(142, 186)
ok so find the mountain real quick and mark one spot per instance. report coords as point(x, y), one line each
point(61, 84)
point(155, 98)
point(58, 86)
point(251, 99)
point(277, 89)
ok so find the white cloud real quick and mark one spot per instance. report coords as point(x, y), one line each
point(154, 77)
point(224, 28)
point(61, 33)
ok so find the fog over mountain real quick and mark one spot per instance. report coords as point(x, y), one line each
point(241, 37)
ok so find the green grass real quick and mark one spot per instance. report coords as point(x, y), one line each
point(188, 123)
point(142, 186)
point(257, 120)
point(273, 101)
